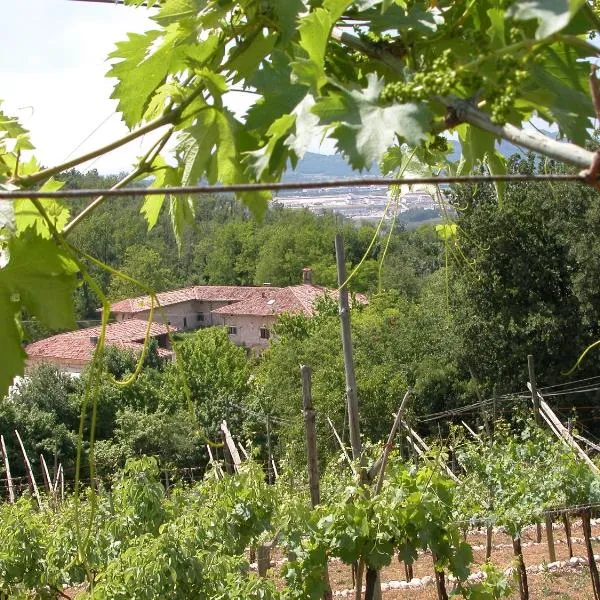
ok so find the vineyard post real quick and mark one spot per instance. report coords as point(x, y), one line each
point(587, 534)
point(351, 392)
point(311, 437)
point(30, 476)
point(269, 456)
point(486, 423)
point(227, 460)
point(550, 538)
point(520, 568)
point(533, 387)
point(567, 523)
point(9, 481)
point(233, 451)
point(46, 475)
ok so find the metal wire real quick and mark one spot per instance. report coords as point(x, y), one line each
point(308, 185)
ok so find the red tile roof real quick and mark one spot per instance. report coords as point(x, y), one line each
point(292, 299)
point(79, 345)
point(207, 293)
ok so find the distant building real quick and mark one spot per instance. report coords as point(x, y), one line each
point(248, 313)
point(72, 351)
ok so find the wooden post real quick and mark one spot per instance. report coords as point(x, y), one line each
point(520, 569)
point(244, 452)
point(233, 451)
point(550, 539)
point(390, 441)
point(351, 393)
point(486, 424)
point(587, 534)
point(533, 387)
point(9, 481)
point(269, 466)
point(550, 417)
point(311, 436)
point(30, 476)
point(567, 524)
point(312, 454)
point(263, 559)
point(46, 475)
point(339, 440)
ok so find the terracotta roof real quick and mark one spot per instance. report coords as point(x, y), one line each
point(207, 293)
point(292, 299)
point(79, 345)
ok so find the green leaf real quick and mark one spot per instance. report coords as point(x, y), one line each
point(314, 34)
point(144, 61)
point(552, 15)
point(286, 14)
point(164, 176)
point(496, 29)
point(27, 215)
point(259, 160)
point(247, 57)
point(475, 145)
point(43, 278)
point(176, 10)
point(364, 130)
point(181, 209)
point(446, 231)
point(12, 355)
point(497, 166)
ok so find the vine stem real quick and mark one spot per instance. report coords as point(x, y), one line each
point(467, 113)
point(39, 176)
point(169, 117)
point(144, 166)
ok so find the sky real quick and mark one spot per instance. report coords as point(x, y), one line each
point(53, 61)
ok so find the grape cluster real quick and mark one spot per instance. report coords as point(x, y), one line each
point(509, 74)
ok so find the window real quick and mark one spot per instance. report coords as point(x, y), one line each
point(200, 317)
point(265, 334)
point(231, 330)
point(184, 322)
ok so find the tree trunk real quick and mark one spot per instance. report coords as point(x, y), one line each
point(440, 581)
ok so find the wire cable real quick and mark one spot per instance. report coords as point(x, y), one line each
point(307, 185)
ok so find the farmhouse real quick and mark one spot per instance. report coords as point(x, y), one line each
point(72, 351)
point(248, 313)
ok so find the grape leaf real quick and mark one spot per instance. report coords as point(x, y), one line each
point(247, 56)
point(552, 15)
point(286, 15)
point(364, 130)
point(164, 175)
point(12, 355)
point(144, 61)
point(279, 95)
point(181, 209)
point(41, 278)
point(27, 215)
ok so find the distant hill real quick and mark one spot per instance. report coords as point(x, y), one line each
point(319, 166)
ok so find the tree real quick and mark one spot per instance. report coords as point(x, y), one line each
point(514, 279)
point(384, 93)
point(217, 378)
point(143, 264)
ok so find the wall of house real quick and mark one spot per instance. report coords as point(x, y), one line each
point(185, 316)
point(248, 329)
point(64, 365)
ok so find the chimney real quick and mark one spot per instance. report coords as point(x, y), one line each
point(307, 276)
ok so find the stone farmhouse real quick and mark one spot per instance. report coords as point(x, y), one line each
point(248, 313)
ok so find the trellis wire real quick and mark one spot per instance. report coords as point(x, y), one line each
point(290, 186)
